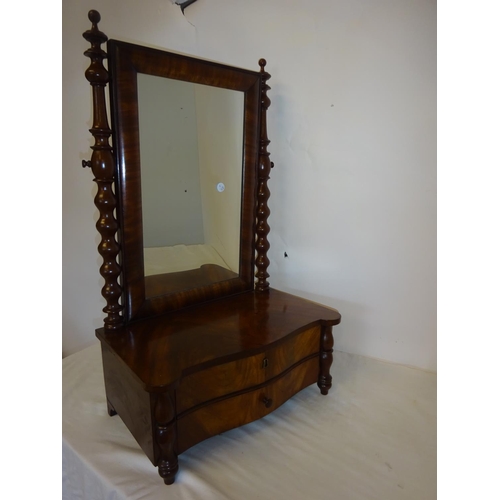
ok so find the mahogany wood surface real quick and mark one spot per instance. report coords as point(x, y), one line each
point(288, 353)
point(229, 413)
point(181, 378)
point(263, 193)
point(165, 435)
point(126, 396)
point(224, 379)
point(159, 350)
point(220, 380)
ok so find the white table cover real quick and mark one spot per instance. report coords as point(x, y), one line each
point(372, 437)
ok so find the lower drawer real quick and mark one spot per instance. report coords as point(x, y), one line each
point(228, 413)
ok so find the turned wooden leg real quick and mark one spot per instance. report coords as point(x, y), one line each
point(165, 437)
point(325, 359)
point(111, 410)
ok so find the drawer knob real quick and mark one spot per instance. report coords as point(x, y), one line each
point(267, 402)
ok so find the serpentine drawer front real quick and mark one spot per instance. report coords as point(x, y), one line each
point(222, 380)
point(227, 413)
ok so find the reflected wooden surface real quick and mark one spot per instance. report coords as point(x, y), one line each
point(162, 284)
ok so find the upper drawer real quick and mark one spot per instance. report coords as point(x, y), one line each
point(292, 351)
point(220, 380)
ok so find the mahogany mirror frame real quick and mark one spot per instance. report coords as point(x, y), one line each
point(125, 61)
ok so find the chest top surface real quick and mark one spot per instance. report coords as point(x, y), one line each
point(160, 350)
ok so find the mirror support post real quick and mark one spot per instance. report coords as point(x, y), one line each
point(264, 169)
point(102, 164)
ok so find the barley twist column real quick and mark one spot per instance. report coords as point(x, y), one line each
point(102, 164)
point(264, 169)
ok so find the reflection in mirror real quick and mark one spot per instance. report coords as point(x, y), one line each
point(191, 150)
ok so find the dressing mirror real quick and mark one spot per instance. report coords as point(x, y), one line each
point(186, 135)
point(191, 347)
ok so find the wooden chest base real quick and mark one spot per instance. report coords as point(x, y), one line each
point(181, 378)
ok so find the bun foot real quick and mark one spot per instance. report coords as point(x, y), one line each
point(167, 471)
point(324, 384)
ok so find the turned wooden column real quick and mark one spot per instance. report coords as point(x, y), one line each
point(325, 359)
point(165, 436)
point(103, 167)
point(264, 169)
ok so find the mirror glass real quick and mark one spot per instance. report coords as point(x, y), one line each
point(191, 153)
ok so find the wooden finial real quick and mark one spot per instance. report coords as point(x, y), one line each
point(94, 18)
point(96, 73)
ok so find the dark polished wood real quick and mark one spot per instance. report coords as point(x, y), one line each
point(103, 168)
point(326, 359)
point(165, 435)
point(160, 350)
point(126, 396)
point(231, 412)
point(212, 367)
point(197, 352)
point(262, 229)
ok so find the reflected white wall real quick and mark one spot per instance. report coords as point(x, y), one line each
point(220, 146)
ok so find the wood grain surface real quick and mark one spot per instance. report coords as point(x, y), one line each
point(160, 350)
